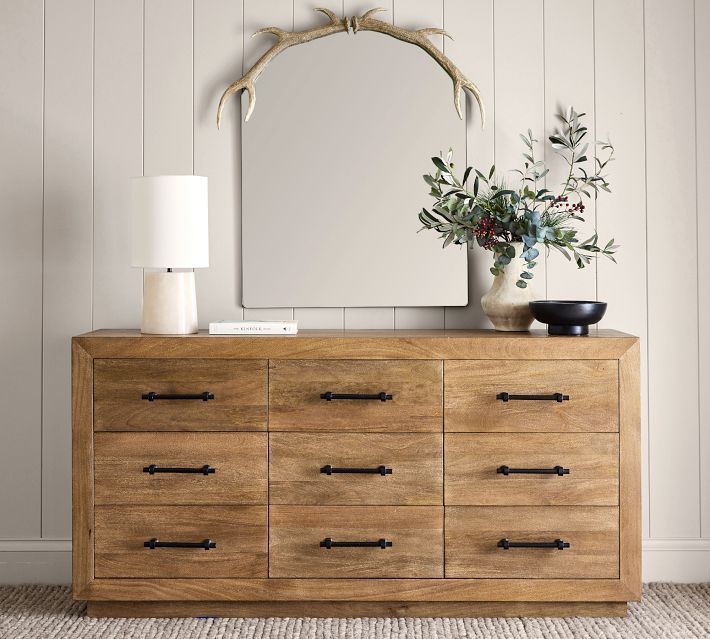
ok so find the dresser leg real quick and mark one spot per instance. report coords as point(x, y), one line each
point(354, 609)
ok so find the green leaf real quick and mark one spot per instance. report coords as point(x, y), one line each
point(521, 284)
point(466, 174)
point(492, 171)
point(441, 165)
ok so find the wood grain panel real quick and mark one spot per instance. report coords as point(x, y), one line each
point(471, 388)
point(295, 388)
point(472, 462)
point(239, 461)
point(218, 44)
point(118, 156)
point(329, 609)
point(21, 70)
point(473, 532)
point(363, 590)
point(416, 533)
point(239, 531)
point(569, 26)
point(295, 460)
point(82, 470)
point(475, 58)
point(673, 362)
point(619, 95)
point(368, 345)
point(68, 224)
point(239, 389)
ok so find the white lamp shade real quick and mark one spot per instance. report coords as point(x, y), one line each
point(169, 222)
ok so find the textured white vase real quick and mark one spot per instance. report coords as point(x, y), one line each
point(169, 303)
point(506, 304)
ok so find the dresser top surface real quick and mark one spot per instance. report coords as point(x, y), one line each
point(360, 344)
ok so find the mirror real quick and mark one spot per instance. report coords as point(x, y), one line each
point(332, 164)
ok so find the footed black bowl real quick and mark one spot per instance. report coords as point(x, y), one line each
point(567, 317)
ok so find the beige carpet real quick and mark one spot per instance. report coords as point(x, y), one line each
point(667, 611)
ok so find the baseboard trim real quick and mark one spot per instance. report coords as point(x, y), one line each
point(35, 545)
point(677, 560)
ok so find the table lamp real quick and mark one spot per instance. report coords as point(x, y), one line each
point(169, 224)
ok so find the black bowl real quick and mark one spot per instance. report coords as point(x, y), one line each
point(567, 317)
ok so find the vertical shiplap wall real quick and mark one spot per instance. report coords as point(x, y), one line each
point(95, 91)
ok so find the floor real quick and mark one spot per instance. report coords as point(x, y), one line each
point(668, 611)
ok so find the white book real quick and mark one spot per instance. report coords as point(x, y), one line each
point(254, 327)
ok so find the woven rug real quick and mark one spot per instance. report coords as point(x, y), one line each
point(668, 611)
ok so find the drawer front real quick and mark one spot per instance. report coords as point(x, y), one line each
point(532, 469)
point(169, 468)
point(474, 400)
point(298, 541)
point(295, 389)
point(238, 386)
point(238, 532)
point(349, 468)
point(474, 546)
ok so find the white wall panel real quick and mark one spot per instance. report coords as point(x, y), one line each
point(21, 113)
point(702, 148)
point(475, 57)
point(218, 63)
point(569, 81)
point(168, 86)
point(672, 269)
point(68, 235)
point(619, 73)
point(118, 156)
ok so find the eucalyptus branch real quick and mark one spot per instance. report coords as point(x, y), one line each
point(494, 216)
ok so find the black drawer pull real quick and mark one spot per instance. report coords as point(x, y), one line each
point(379, 470)
point(154, 543)
point(152, 396)
point(383, 397)
point(556, 470)
point(203, 470)
point(558, 543)
point(555, 397)
point(380, 543)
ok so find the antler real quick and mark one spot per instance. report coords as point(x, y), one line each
point(365, 22)
point(419, 38)
point(285, 39)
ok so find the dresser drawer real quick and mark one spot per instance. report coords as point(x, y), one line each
point(532, 469)
point(298, 389)
point(475, 542)
point(300, 535)
point(475, 393)
point(349, 468)
point(238, 532)
point(122, 399)
point(180, 468)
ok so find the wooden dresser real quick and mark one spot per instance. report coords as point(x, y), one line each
point(356, 473)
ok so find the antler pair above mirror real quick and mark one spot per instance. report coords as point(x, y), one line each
point(365, 22)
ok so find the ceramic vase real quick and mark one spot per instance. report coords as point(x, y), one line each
point(505, 304)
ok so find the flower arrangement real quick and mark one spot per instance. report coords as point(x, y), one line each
point(494, 215)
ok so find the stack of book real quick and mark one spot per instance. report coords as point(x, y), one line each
point(254, 327)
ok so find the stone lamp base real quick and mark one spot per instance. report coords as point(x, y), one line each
point(169, 303)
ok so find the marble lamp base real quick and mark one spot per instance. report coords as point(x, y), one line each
point(169, 303)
